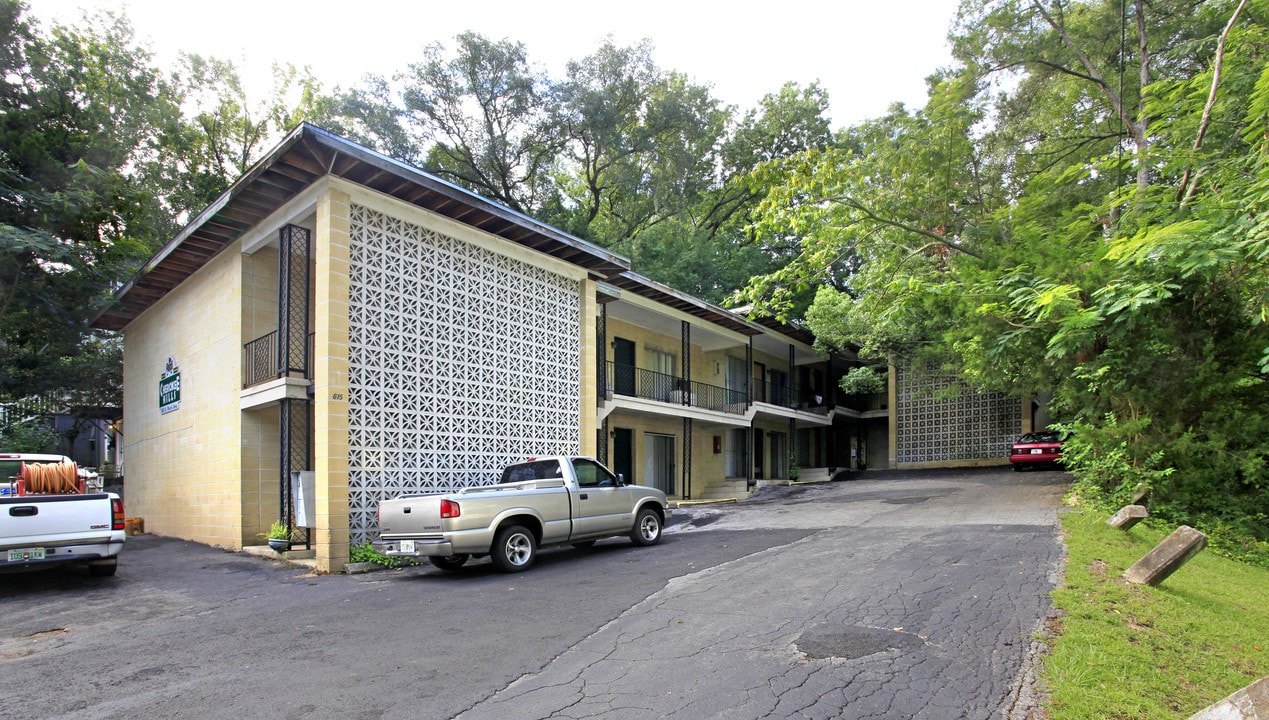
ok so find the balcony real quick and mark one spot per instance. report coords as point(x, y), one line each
point(260, 360)
point(782, 394)
point(631, 381)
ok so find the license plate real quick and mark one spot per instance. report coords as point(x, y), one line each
point(407, 546)
point(26, 554)
point(1037, 451)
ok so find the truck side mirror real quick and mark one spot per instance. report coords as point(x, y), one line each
point(621, 479)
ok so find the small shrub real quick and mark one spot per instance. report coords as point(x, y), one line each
point(366, 552)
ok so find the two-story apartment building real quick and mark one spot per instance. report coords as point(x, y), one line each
point(343, 319)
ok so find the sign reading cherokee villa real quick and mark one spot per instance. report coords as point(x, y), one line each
point(169, 387)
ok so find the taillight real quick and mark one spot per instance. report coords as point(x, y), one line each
point(450, 509)
point(116, 509)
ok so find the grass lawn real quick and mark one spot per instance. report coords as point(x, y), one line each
point(1133, 651)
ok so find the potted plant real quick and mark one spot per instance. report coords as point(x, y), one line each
point(279, 536)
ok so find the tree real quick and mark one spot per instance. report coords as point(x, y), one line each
point(1093, 226)
point(80, 108)
point(483, 114)
point(637, 141)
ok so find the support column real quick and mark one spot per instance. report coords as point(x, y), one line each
point(294, 434)
point(601, 352)
point(793, 446)
point(892, 397)
point(330, 379)
point(687, 459)
point(293, 287)
point(588, 413)
point(685, 329)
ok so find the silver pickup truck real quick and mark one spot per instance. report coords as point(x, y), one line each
point(545, 501)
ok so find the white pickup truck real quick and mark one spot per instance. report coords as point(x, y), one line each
point(47, 518)
point(545, 501)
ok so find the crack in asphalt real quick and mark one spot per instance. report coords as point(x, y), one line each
point(720, 648)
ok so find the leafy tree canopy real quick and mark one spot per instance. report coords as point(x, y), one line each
point(1080, 207)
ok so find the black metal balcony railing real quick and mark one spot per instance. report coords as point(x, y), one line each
point(260, 359)
point(783, 394)
point(631, 381)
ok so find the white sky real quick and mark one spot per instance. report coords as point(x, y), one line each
point(866, 53)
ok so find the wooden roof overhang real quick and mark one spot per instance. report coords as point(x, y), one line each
point(637, 284)
point(306, 155)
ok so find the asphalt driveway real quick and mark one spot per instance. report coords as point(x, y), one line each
point(898, 595)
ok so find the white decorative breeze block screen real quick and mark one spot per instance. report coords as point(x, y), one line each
point(461, 361)
point(970, 425)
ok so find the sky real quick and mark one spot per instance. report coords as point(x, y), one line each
point(866, 53)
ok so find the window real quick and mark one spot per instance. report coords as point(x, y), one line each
point(592, 474)
point(540, 470)
point(661, 361)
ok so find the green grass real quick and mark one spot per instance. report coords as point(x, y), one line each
point(1133, 651)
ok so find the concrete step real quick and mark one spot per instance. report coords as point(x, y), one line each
point(724, 490)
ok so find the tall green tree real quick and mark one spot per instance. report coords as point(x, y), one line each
point(1078, 208)
point(78, 109)
point(482, 115)
point(637, 142)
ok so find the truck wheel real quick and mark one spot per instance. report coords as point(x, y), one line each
point(514, 549)
point(647, 528)
point(103, 569)
point(449, 562)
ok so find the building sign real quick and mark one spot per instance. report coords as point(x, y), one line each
point(170, 387)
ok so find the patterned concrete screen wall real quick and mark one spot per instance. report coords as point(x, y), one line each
point(461, 360)
point(940, 419)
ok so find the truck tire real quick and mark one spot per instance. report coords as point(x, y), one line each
point(514, 549)
point(647, 528)
point(449, 562)
point(103, 569)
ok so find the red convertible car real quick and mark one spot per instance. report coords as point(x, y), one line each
point(1037, 449)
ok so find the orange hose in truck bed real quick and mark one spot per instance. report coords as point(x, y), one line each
point(50, 479)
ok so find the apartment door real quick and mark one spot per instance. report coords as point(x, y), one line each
point(623, 454)
point(623, 352)
point(759, 458)
point(658, 463)
point(737, 381)
point(759, 382)
point(779, 455)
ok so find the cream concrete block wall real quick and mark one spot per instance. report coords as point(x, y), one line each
point(711, 367)
point(259, 293)
point(707, 467)
point(589, 410)
point(183, 467)
point(261, 469)
point(643, 338)
point(330, 378)
point(261, 464)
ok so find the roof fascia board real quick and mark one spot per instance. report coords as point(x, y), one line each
point(662, 309)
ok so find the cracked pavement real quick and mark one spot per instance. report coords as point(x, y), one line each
point(954, 567)
point(902, 595)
